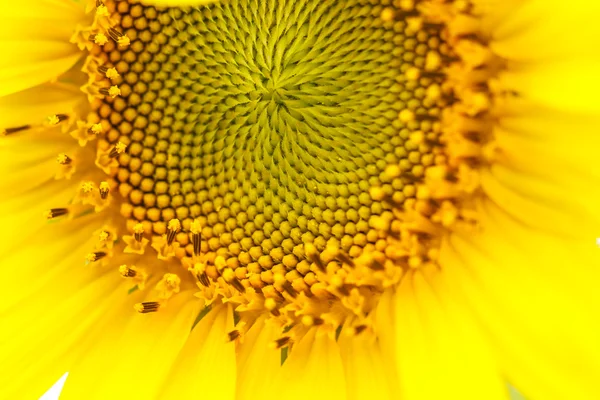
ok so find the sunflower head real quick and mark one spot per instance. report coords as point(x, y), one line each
point(314, 175)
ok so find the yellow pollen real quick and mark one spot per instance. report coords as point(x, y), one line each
point(114, 91)
point(100, 39)
point(174, 225)
point(112, 73)
point(86, 187)
point(138, 228)
point(56, 119)
point(102, 11)
point(123, 41)
point(195, 227)
point(96, 129)
point(103, 236)
point(120, 147)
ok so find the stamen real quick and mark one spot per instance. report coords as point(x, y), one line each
point(57, 119)
point(121, 39)
point(195, 228)
point(56, 212)
point(138, 231)
point(95, 129)
point(103, 236)
point(95, 256)
point(311, 252)
point(233, 335)
point(8, 131)
point(359, 329)
point(112, 91)
point(63, 159)
point(137, 243)
point(118, 149)
point(127, 272)
point(172, 228)
point(104, 188)
point(281, 342)
point(138, 275)
point(147, 307)
point(110, 73)
point(232, 279)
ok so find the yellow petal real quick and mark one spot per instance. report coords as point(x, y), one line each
point(206, 364)
point(135, 353)
point(572, 26)
point(34, 42)
point(568, 85)
point(385, 327)
point(313, 370)
point(62, 246)
point(536, 296)
point(34, 105)
point(257, 363)
point(441, 351)
point(364, 367)
point(40, 19)
point(546, 173)
point(42, 339)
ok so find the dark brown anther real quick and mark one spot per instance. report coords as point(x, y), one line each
point(289, 289)
point(171, 236)
point(64, 159)
point(345, 258)
point(359, 329)
point(238, 285)
point(56, 212)
point(104, 189)
point(95, 256)
point(282, 342)
point(233, 335)
point(426, 117)
point(402, 15)
point(114, 34)
point(196, 243)
point(9, 131)
point(147, 307)
point(313, 255)
point(376, 265)
point(203, 279)
point(275, 312)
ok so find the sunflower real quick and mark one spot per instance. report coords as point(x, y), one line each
point(263, 199)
